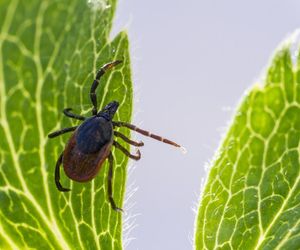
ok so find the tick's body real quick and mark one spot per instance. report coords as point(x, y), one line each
point(87, 149)
point(91, 142)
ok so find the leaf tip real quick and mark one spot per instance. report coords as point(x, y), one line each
point(98, 4)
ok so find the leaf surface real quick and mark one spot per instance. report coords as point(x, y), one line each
point(252, 196)
point(50, 52)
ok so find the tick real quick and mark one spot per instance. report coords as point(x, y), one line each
point(91, 142)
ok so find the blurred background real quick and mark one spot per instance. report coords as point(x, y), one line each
point(192, 61)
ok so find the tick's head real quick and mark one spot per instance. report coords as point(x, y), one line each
point(109, 110)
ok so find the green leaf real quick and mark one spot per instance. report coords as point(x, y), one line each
point(251, 199)
point(49, 54)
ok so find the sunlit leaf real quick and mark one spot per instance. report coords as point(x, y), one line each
point(252, 196)
point(49, 54)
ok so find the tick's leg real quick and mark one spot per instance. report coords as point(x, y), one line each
point(95, 84)
point(72, 115)
point(124, 138)
point(144, 132)
point(109, 183)
point(57, 175)
point(60, 132)
point(126, 152)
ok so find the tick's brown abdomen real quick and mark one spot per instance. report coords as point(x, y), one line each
point(82, 167)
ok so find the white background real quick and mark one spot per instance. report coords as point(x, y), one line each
point(192, 61)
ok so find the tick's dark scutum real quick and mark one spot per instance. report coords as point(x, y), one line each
point(93, 134)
